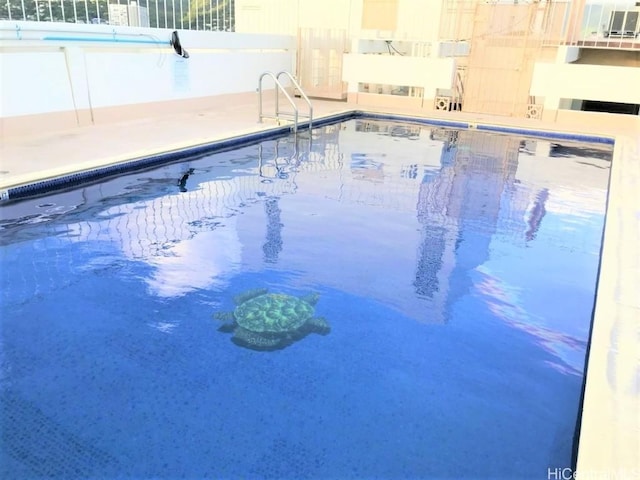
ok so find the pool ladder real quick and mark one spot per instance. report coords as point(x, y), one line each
point(289, 116)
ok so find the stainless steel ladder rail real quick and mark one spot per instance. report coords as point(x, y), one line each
point(287, 96)
point(280, 87)
point(302, 94)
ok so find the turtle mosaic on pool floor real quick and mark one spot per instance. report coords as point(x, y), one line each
point(269, 321)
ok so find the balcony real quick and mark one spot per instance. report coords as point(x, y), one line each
point(607, 25)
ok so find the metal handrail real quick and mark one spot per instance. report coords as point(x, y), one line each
point(302, 94)
point(288, 97)
point(92, 13)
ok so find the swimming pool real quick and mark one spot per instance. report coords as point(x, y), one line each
point(456, 269)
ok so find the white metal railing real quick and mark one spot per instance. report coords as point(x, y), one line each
point(280, 88)
point(599, 24)
point(212, 15)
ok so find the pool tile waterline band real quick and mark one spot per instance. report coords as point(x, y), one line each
point(77, 178)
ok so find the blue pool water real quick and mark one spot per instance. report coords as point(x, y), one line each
point(457, 270)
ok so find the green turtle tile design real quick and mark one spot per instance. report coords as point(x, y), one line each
point(271, 321)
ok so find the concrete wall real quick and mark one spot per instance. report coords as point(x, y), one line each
point(427, 73)
point(77, 73)
point(566, 54)
point(585, 82)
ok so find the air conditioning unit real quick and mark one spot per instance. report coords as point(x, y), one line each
point(623, 24)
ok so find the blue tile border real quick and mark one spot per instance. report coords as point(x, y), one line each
point(330, 119)
point(412, 119)
point(530, 132)
point(74, 179)
point(547, 134)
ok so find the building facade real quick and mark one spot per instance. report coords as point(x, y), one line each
point(568, 60)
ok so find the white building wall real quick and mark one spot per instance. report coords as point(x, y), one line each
point(55, 67)
point(417, 19)
point(585, 82)
point(286, 16)
point(34, 82)
point(428, 73)
point(257, 16)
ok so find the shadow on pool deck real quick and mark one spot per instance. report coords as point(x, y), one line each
point(610, 432)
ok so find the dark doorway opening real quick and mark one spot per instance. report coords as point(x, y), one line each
point(610, 107)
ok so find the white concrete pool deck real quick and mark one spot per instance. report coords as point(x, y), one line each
point(610, 432)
